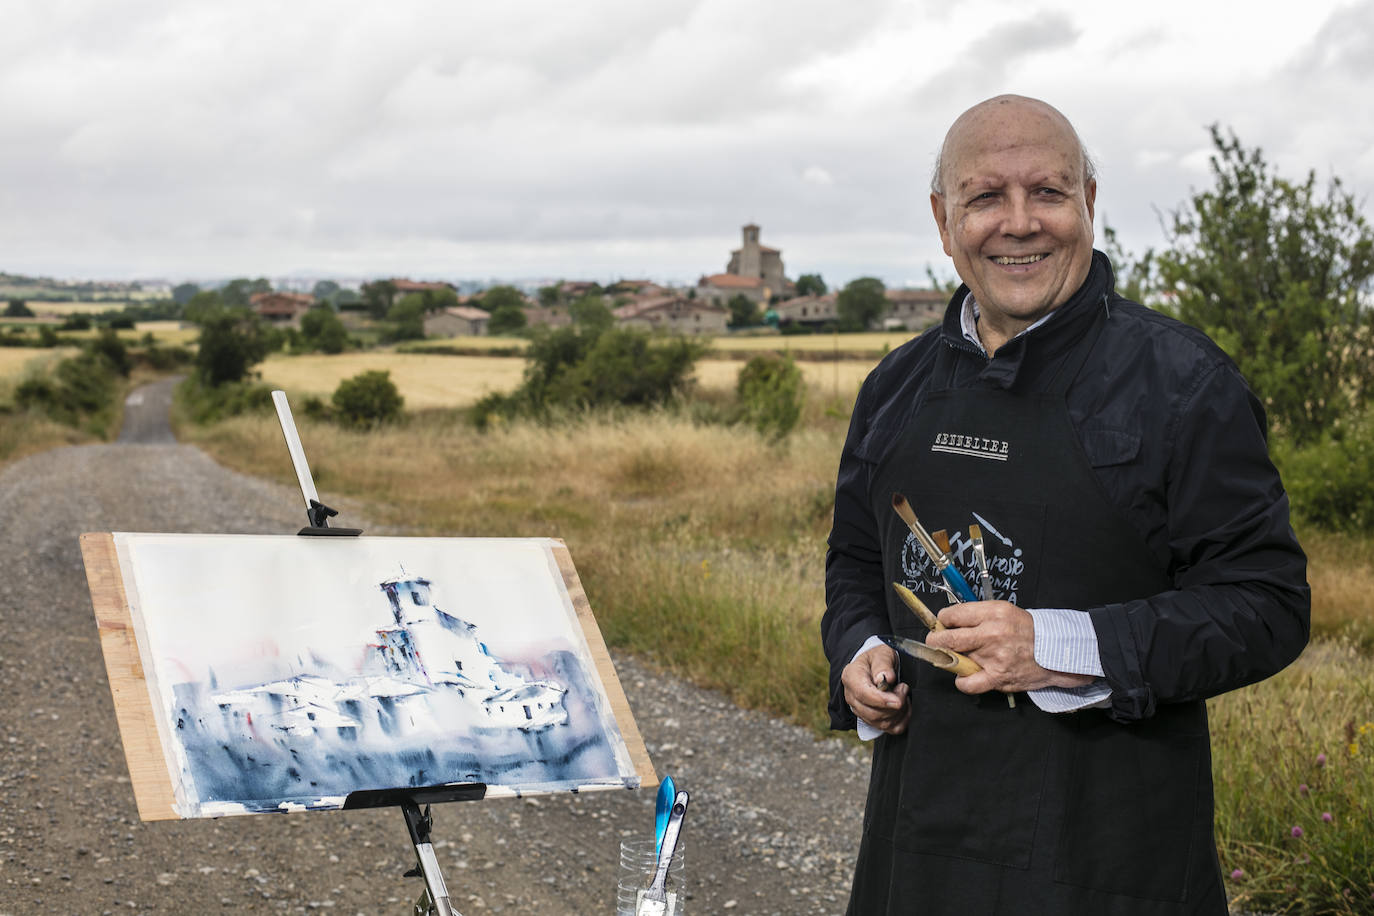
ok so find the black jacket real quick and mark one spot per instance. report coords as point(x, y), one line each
point(1176, 440)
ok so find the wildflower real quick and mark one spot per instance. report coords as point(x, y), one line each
point(1237, 874)
point(1326, 817)
point(1354, 748)
point(1302, 788)
point(1321, 760)
point(705, 569)
point(1296, 831)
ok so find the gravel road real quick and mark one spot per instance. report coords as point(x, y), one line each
point(772, 829)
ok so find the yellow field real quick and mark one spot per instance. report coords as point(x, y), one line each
point(77, 308)
point(469, 343)
point(424, 380)
point(836, 378)
point(457, 381)
point(876, 342)
point(16, 361)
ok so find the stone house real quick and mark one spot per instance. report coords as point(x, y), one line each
point(806, 309)
point(914, 309)
point(674, 313)
point(457, 321)
point(281, 309)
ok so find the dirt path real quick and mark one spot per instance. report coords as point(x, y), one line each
point(775, 814)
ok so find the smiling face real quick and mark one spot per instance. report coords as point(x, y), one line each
point(1015, 212)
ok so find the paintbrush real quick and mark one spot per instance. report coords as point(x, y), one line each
point(940, 558)
point(656, 900)
point(944, 659)
point(917, 606)
point(941, 539)
point(975, 534)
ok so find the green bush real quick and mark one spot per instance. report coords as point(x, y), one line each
point(232, 341)
point(771, 392)
point(204, 403)
point(80, 392)
point(367, 399)
point(1328, 481)
point(587, 366)
point(109, 347)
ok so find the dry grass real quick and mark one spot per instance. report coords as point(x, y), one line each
point(425, 381)
point(833, 378)
point(1341, 573)
point(16, 362)
point(1294, 774)
point(875, 342)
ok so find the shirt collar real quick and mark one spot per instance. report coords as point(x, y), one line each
point(968, 322)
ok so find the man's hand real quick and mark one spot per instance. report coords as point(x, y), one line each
point(1001, 637)
point(872, 691)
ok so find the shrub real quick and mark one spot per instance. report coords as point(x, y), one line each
point(204, 403)
point(231, 342)
point(109, 347)
point(1328, 481)
point(367, 399)
point(80, 392)
point(588, 366)
point(770, 392)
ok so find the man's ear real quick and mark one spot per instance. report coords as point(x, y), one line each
point(1090, 195)
point(937, 208)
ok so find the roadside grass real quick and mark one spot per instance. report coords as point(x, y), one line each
point(1293, 759)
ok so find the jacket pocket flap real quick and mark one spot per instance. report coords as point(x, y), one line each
point(1105, 447)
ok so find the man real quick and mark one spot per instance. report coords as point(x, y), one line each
point(1137, 543)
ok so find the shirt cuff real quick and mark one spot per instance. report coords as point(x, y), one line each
point(1066, 641)
point(867, 732)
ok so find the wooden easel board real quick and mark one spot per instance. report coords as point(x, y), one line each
point(280, 673)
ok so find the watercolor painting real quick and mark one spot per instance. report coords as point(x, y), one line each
point(287, 672)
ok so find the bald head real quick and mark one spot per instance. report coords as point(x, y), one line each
point(981, 123)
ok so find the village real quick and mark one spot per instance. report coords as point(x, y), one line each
point(752, 292)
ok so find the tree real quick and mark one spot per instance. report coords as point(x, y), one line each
point(17, 308)
point(861, 303)
point(499, 296)
point(408, 315)
point(744, 311)
point(380, 296)
point(1136, 278)
point(550, 296)
point(232, 341)
point(506, 320)
point(201, 305)
point(325, 290)
point(322, 330)
point(236, 293)
point(182, 292)
point(810, 285)
point(591, 311)
point(1274, 272)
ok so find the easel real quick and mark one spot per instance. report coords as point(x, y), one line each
point(434, 899)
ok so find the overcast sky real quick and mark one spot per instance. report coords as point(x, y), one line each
point(607, 138)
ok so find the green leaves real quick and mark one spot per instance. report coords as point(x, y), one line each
point(1274, 271)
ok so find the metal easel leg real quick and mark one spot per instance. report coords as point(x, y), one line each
point(434, 901)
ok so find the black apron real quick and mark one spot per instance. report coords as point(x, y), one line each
point(984, 809)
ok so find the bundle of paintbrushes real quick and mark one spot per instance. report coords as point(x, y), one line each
point(937, 547)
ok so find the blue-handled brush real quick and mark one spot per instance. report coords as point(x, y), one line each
point(953, 578)
point(663, 806)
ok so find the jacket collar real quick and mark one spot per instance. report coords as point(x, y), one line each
point(1044, 342)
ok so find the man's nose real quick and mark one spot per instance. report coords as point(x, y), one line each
point(1018, 218)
